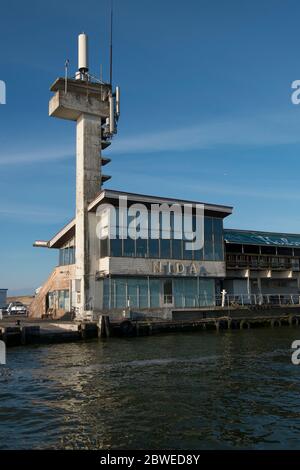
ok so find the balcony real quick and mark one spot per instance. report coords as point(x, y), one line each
point(231, 301)
point(260, 262)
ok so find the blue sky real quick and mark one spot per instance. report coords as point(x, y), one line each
point(206, 113)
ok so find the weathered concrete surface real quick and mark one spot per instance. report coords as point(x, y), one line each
point(245, 312)
point(88, 183)
point(47, 332)
point(58, 280)
point(150, 266)
point(31, 331)
point(87, 104)
point(69, 106)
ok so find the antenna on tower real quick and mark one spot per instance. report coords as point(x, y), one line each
point(67, 62)
point(111, 44)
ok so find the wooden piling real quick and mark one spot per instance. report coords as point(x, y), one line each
point(244, 324)
point(293, 320)
point(12, 336)
point(30, 335)
point(89, 330)
point(103, 326)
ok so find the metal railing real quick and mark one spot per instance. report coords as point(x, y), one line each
point(258, 299)
point(261, 262)
point(198, 301)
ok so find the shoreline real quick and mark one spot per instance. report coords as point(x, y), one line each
point(32, 331)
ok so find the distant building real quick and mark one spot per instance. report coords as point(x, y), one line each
point(3, 297)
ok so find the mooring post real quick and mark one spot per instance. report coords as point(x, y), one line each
point(89, 330)
point(107, 326)
point(30, 334)
point(244, 322)
point(103, 326)
point(12, 336)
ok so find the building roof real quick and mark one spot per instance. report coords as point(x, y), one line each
point(61, 237)
point(67, 232)
point(250, 237)
point(111, 196)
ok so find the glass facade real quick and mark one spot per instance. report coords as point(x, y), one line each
point(59, 299)
point(147, 292)
point(166, 245)
point(67, 255)
point(262, 238)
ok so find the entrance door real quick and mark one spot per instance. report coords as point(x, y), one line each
point(167, 292)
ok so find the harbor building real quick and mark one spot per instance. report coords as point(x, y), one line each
point(262, 267)
point(103, 268)
point(147, 274)
point(159, 277)
point(3, 298)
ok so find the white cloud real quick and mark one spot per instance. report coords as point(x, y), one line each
point(263, 130)
point(256, 131)
point(30, 213)
point(176, 184)
point(42, 154)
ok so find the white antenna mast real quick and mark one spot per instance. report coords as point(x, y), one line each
point(67, 62)
point(111, 45)
point(83, 60)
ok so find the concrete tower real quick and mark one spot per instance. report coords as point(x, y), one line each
point(91, 104)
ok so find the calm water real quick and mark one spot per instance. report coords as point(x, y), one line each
point(236, 389)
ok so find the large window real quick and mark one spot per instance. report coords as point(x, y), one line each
point(153, 248)
point(116, 247)
point(167, 244)
point(67, 255)
point(129, 247)
point(208, 239)
point(143, 292)
point(218, 239)
point(154, 293)
point(141, 248)
point(59, 299)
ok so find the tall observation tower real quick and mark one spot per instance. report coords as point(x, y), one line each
point(95, 107)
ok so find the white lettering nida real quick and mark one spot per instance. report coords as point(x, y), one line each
point(157, 267)
point(177, 269)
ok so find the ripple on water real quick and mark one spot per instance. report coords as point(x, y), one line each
point(236, 389)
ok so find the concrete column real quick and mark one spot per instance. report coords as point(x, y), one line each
point(259, 290)
point(248, 285)
point(88, 183)
point(87, 104)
